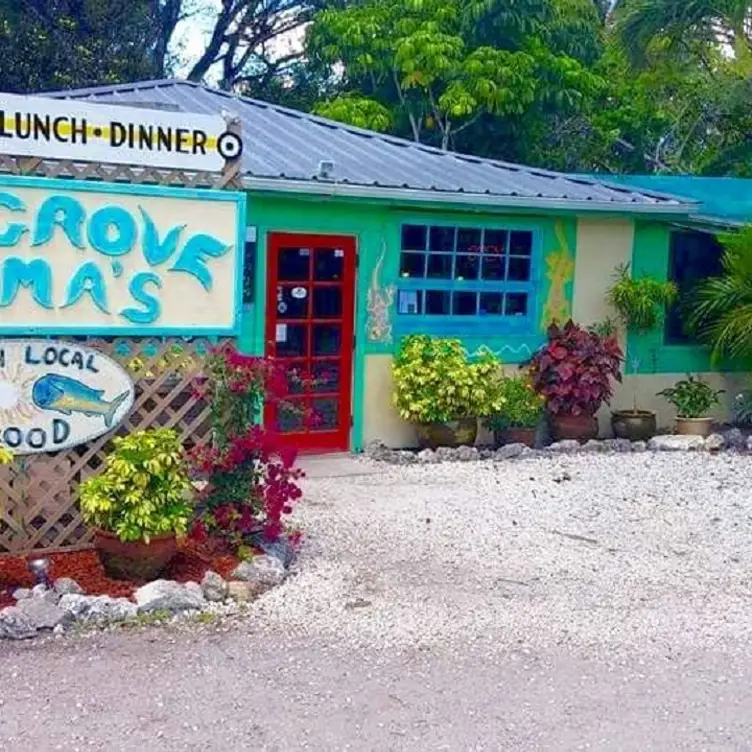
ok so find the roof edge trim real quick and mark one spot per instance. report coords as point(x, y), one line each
point(410, 195)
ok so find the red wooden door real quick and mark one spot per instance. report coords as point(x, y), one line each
point(310, 332)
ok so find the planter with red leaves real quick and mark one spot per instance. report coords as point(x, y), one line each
point(575, 371)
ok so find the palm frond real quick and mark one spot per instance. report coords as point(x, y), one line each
point(720, 311)
point(643, 21)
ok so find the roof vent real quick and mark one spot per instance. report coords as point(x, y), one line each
point(326, 170)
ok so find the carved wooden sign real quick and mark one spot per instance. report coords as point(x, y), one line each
point(56, 395)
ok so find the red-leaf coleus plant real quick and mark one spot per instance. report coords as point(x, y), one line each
point(575, 370)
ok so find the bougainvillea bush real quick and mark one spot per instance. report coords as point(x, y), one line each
point(575, 370)
point(251, 478)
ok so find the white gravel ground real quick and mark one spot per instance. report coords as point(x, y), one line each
point(576, 603)
point(616, 551)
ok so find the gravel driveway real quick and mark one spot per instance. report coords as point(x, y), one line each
point(585, 602)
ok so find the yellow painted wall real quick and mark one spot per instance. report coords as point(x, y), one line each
point(380, 419)
point(602, 245)
point(648, 385)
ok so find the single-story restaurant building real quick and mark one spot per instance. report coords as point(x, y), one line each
point(354, 239)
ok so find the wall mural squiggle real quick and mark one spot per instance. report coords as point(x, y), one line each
point(560, 271)
point(379, 305)
point(522, 351)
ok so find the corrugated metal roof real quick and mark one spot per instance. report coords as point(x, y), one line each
point(286, 145)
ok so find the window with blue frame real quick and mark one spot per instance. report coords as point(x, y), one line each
point(462, 275)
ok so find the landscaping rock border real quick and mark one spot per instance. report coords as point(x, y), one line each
point(65, 606)
point(732, 440)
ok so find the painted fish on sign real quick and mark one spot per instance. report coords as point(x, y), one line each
point(56, 395)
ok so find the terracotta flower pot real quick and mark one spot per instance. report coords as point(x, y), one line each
point(455, 433)
point(134, 560)
point(694, 426)
point(577, 427)
point(524, 436)
point(635, 425)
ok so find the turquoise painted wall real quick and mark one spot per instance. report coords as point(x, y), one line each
point(377, 230)
point(647, 353)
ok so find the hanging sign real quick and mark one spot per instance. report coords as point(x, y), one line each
point(95, 258)
point(56, 395)
point(91, 132)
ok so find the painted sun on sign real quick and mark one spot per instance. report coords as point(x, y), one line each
point(16, 405)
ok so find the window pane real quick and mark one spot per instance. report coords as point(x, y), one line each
point(292, 302)
point(410, 302)
point(465, 303)
point(468, 240)
point(325, 414)
point(290, 418)
point(293, 264)
point(693, 257)
point(296, 378)
point(437, 302)
point(516, 304)
point(442, 239)
point(292, 341)
point(495, 242)
point(327, 303)
point(491, 303)
point(440, 266)
point(521, 243)
point(328, 264)
point(413, 265)
point(325, 376)
point(494, 267)
point(467, 267)
point(327, 339)
point(519, 269)
point(414, 237)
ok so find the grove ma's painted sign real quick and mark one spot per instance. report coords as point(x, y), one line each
point(95, 132)
point(56, 395)
point(98, 258)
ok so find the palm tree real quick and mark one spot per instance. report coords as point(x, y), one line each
point(716, 22)
point(721, 307)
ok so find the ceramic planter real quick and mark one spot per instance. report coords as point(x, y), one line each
point(134, 560)
point(524, 436)
point(576, 427)
point(635, 425)
point(694, 426)
point(455, 433)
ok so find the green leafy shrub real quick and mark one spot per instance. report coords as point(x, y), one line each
point(742, 408)
point(522, 406)
point(720, 308)
point(143, 491)
point(640, 302)
point(436, 382)
point(692, 397)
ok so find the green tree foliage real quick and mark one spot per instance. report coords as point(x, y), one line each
point(435, 67)
point(57, 44)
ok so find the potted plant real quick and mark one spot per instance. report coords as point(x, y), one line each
point(641, 305)
point(574, 372)
point(693, 399)
point(139, 504)
point(441, 391)
point(522, 409)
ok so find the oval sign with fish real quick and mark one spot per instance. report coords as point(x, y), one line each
point(56, 395)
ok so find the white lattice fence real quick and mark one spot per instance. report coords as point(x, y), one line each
point(38, 493)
